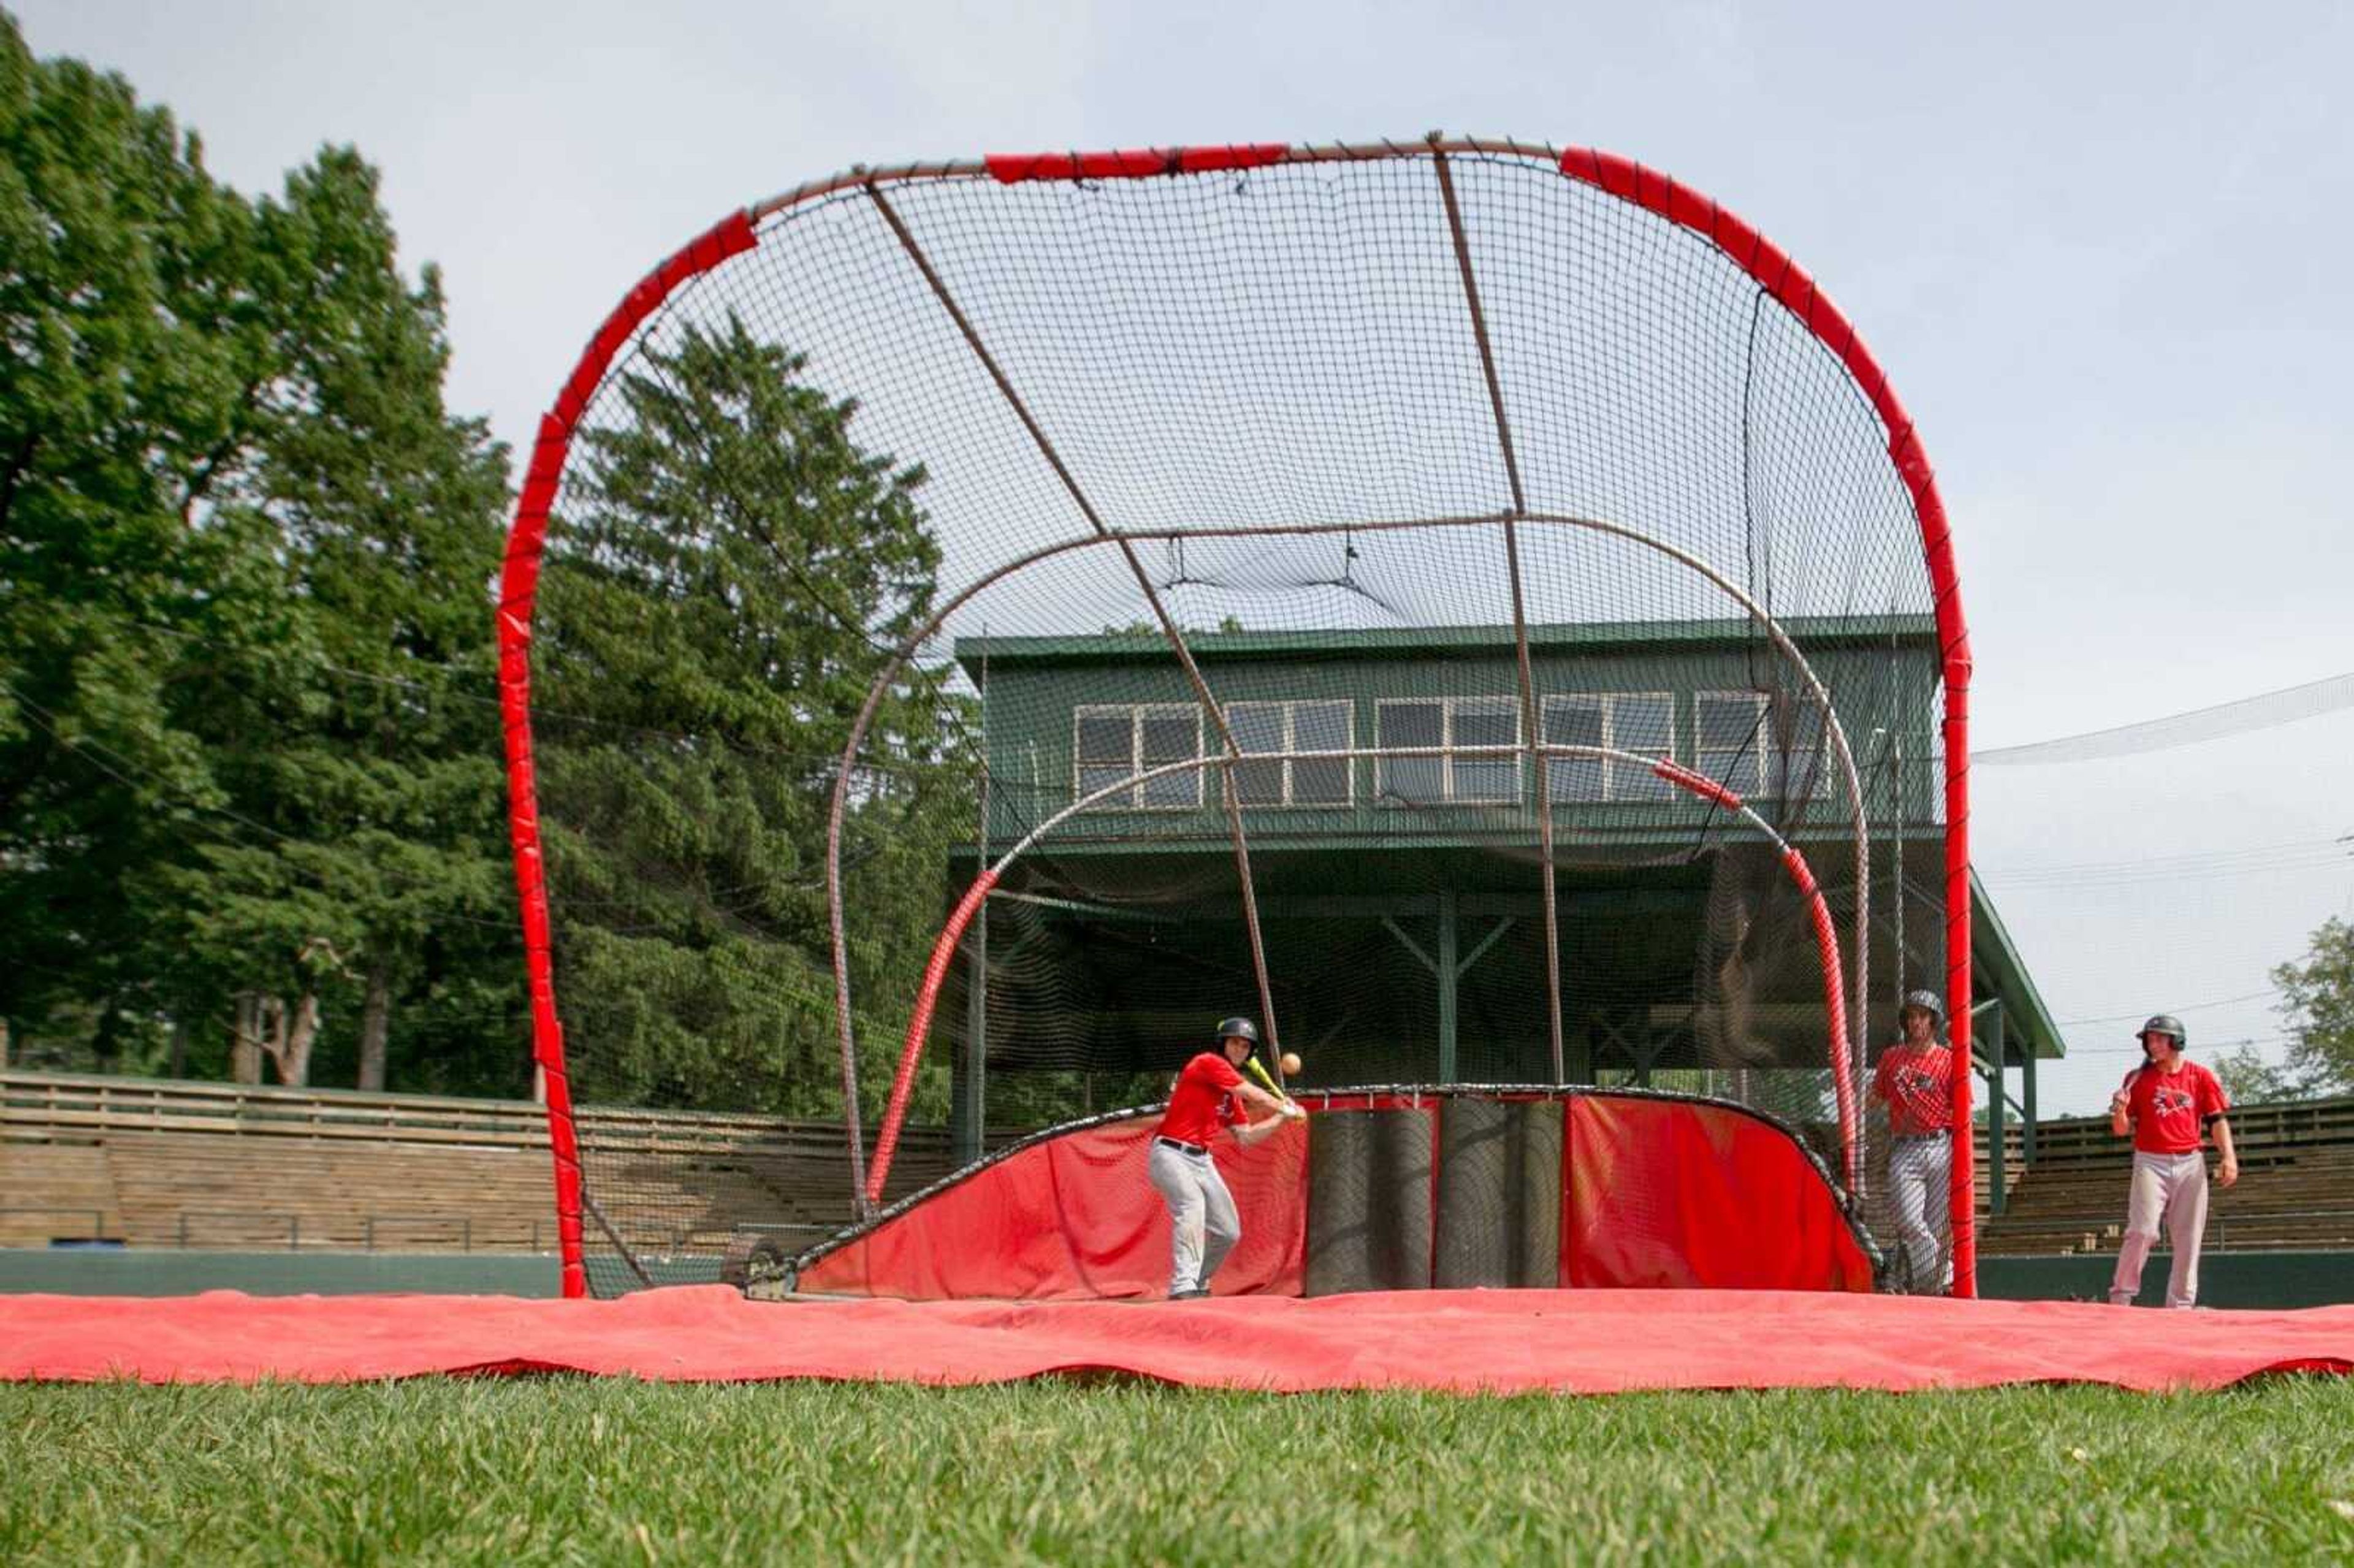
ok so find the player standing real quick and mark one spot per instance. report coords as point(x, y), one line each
point(2166, 1104)
point(1915, 1081)
point(1202, 1223)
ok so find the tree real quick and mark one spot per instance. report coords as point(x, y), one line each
point(247, 754)
point(2249, 1079)
point(131, 360)
point(373, 767)
point(250, 807)
point(2317, 1006)
point(726, 576)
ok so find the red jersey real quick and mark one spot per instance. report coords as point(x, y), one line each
point(1917, 1082)
point(2170, 1110)
point(1203, 1100)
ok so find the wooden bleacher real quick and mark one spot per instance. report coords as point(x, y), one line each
point(2296, 1189)
point(156, 1163)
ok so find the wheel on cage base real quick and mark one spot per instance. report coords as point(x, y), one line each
point(758, 1265)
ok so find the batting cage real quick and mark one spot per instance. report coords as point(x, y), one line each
point(1475, 609)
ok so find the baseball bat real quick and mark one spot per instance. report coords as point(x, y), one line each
point(1258, 1070)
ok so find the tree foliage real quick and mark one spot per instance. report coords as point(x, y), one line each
point(247, 765)
point(2318, 1005)
point(2249, 1079)
point(731, 569)
point(252, 805)
point(124, 399)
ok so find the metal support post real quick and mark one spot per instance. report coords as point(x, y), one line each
point(1450, 971)
point(2027, 1089)
point(1990, 1033)
point(972, 1095)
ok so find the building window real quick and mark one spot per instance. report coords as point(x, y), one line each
point(1294, 726)
point(1450, 726)
point(1579, 720)
point(1106, 748)
point(1640, 722)
point(1798, 760)
point(1645, 724)
point(1110, 743)
point(1761, 749)
point(1413, 781)
point(1729, 740)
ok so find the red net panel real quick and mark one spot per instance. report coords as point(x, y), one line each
point(1657, 1193)
point(1653, 1193)
point(1071, 1218)
point(1474, 610)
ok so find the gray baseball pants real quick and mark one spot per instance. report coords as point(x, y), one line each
point(1920, 1173)
point(1203, 1225)
point(2171, 1187)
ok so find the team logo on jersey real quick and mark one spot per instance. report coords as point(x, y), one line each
point(2166, 1101)
point(1915, 1084)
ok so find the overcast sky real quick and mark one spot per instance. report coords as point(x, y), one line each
point(2101, 251)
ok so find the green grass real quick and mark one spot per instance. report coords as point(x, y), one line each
point(574, 1471)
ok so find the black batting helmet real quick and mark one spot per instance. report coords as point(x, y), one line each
point(2165, 1024)
point(1238, 1029)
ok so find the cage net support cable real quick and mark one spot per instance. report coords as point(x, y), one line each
point(1223, 343)
point(1169, 628)
point(1531, 718)
point(2244, 715)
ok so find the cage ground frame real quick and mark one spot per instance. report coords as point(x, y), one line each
point(1771, 270)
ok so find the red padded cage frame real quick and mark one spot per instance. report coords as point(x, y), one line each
point(1767, 264)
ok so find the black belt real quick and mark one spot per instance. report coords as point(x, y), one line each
point(1194, 1150)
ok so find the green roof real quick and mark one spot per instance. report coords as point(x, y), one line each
point(1121, 647)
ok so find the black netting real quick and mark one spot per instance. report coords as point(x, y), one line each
point(1499, 1202)
point(1369, 1201)
point(1256, 406)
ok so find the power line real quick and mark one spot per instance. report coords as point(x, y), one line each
point(2191, 1007)
point(2337, 846)
point(2258, 1042)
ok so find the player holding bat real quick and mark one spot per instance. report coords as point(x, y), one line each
point(1207, 1098)
point(2167, 1104)
point(1915, 1080)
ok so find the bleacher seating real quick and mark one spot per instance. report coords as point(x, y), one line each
point(159, 1164)
point(2295, 1187)
point(56, 1192)
point(164, 1164)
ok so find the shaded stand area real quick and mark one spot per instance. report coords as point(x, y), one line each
point(1406, 964)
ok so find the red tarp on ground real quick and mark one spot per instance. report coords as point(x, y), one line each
point(1569, 1340)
